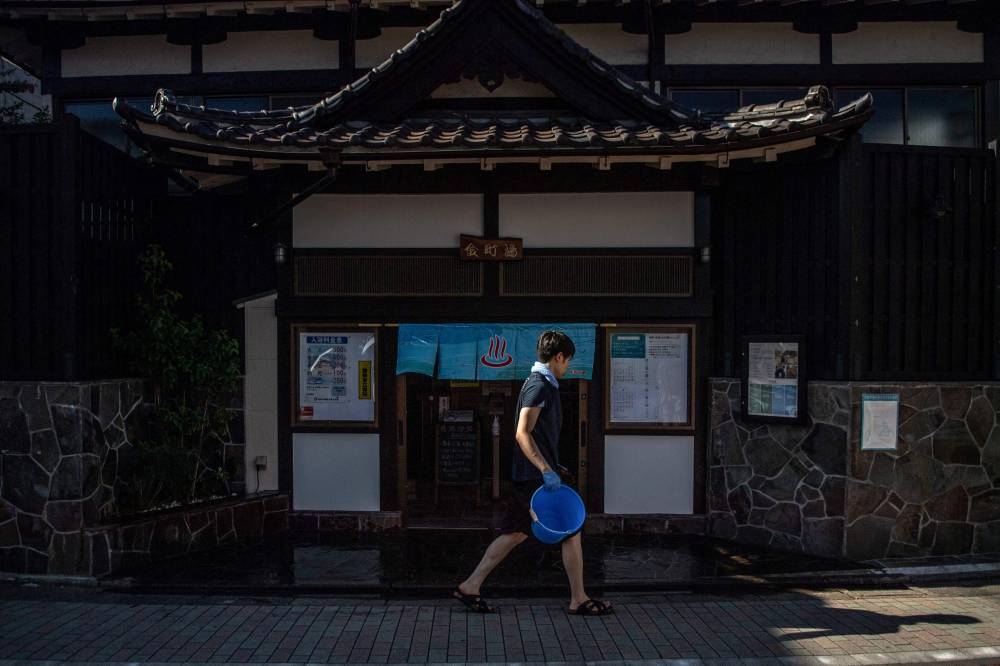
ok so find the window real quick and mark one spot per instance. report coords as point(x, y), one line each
point(707, 101)
point(771, 95)
point(920, 116)
point(99, 119)
point(916, 116)
point(249, 104)
point(285, 101)
point(941, 117)
point(886, 126)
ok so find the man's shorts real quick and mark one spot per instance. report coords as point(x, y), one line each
point(515, 513)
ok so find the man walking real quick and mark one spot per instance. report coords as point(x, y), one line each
point(536, 457)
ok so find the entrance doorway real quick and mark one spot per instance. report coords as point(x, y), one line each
point(451, 464)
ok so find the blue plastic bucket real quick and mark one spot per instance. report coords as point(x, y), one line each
point(556, 514)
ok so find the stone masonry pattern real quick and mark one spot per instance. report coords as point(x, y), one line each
point(810, 488)
point(61, 447)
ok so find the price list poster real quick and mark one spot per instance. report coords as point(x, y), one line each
point(649, 378)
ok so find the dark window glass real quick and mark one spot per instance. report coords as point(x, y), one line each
point(99, 119)
point(707, 101)
point(285, 101)
point(941, 117)
point(771, 95)
point(886, 125)
point(251, 104)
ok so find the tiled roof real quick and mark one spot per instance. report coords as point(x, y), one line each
point(608, 110)
point(653, 107)
point(750, 125)
point(143, 9)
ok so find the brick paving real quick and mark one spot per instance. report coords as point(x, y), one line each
point(834, 627)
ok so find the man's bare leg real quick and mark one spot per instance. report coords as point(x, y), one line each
point(493, 556)
point(572, 554)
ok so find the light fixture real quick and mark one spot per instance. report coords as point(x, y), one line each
point(706, 254)
point(280, 254)
point(939, 208)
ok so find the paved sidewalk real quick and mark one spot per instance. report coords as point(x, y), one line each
point(915, 625)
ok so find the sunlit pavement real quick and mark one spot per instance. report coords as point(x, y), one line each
point(908, 625)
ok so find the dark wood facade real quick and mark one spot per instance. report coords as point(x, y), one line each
point(883, 257)
point(74, 215)
point(880, 256)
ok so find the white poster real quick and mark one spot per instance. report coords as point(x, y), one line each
point(337, 376)
point(879, 421)
point(649, 378)
point(773, 379)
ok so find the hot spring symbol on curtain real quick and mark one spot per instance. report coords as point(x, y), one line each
point(496, 356)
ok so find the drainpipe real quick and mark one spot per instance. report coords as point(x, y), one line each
point(650, 42)
point(352, 38)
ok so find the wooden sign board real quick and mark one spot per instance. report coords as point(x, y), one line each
point(474, 248)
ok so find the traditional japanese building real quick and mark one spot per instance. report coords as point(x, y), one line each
point(764, 224)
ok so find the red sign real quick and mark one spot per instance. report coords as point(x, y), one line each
point(497, 356)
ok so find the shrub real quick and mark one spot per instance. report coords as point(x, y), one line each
point(192, 372)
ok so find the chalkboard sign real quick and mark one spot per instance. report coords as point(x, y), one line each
point(458, 454)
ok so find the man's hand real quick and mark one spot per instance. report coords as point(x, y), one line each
point(551, 480)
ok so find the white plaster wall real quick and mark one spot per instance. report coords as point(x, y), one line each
point(260, 391)
point(743, 44)
point(599, 219)
point(471, 88)
point(130, 54)
point(371, 52)
point(270, 50)
point(609, 42)
point(386, 221)
point(335, 472)
point(648, 474)
point(907, 42)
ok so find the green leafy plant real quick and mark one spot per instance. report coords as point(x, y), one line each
point(192, 371)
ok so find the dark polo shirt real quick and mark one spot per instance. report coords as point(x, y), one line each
point(538, 392)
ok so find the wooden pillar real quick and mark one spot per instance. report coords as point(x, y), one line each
point(852, 280)
point(67, 247)
point(286, 367)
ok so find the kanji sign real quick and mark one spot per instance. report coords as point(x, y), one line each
point(474, 248)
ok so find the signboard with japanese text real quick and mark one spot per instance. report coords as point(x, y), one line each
point(650, 377)
point(879, 421)
point(336, 376)
point(774, 378)
point(474, 248)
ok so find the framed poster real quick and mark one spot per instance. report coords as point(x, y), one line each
point(649, 377)
point(774, 378)
point(335, 376)
point(879, 421)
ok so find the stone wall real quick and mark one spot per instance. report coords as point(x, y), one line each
point(60, 446)
point(810, 488)
point(132, 545)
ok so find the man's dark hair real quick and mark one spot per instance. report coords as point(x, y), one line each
point(551, 343)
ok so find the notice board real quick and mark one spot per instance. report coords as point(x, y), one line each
point(457, 459)
point(650, 377)
point(774, 378)
point(336, 373)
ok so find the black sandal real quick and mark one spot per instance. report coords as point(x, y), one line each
point(592, 607)
point(473, 602)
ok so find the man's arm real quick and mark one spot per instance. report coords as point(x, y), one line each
point(525, 424)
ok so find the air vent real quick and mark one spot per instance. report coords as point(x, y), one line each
point(616, 275)
point(386, 275)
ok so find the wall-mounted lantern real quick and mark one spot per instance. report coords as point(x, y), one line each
point(280, 254)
